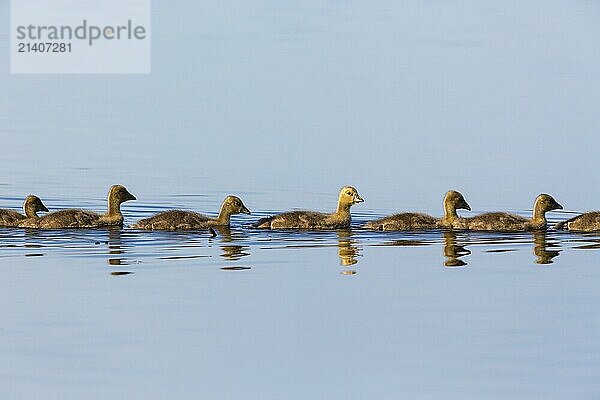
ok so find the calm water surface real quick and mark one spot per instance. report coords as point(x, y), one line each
point(342, 314)
point(282, 103)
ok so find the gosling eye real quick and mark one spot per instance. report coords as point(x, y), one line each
point(349, 193)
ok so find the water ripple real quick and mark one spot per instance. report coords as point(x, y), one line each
point(133, 248)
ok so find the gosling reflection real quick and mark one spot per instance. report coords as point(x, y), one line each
point(230, 251)
point(347, 248)
point(32, 241)
point(453, 251)
point(115, 246)
point(541, 246)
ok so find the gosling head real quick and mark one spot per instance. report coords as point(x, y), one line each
point(544, 203)
point(119, 194)
point(456, 200)
point(349, 196)
point(32, 205)
point(234, 205)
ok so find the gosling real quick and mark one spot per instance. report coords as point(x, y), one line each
point(187, 220)
point(75, 218)
point(31, 207)
point(586, 222)
point(499, 221)
point(453, 200)
point(340, 219)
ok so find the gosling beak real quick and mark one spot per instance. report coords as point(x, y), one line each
point(245, 210)
point(557, 206)
point(43, 208)
point(358, 199)
point(129, 196)
point(466, 206)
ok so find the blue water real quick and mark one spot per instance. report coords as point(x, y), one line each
point(282, 103)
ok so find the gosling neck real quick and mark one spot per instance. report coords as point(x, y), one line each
point(343, 210)
point(449, 211)
point(30, 210)
point(539, 213)
point(224, 215)
point(114, 206)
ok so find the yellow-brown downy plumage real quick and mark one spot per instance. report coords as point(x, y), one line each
point(499, 221)
point(31, 206)
point(188, 220)
point(586, 222)
point(341, 218)
point(75, 218)
point(453, 200)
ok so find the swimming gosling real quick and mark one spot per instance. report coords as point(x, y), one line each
point(74, 218)
point(187, 220)
point(315, 220)
point(31, 206)
point(586, 222)
point(453, 200)
point(499, 221)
